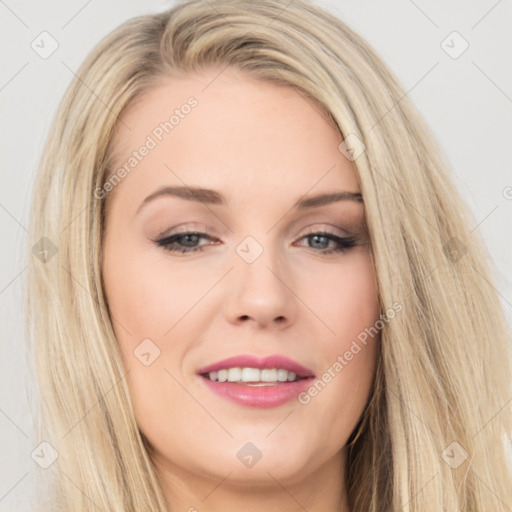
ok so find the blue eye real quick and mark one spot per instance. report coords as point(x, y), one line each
point(321, 241)
point(188, 241)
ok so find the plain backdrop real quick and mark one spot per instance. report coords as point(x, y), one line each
point(466, 99)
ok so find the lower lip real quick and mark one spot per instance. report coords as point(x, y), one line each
point(262, 397)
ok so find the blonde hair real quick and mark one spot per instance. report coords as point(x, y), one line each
point(443, 374)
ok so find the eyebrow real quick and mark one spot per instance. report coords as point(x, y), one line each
point(208, 196)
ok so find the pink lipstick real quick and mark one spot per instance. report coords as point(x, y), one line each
point(257, 382)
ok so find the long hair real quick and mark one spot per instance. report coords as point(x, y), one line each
point(433, 434)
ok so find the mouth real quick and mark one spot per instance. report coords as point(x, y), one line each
point(248, 369)
point(256, 382)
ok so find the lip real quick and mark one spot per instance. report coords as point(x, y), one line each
point(258, 396)
point(249, 361)
point(261, 397)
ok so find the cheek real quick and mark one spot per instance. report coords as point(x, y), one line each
point(343, 297)
point(349, 345)
point(145, 302)
point(146, 297)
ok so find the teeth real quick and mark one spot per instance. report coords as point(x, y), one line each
point(282, 375)
point(268, 375)
point(253, 375)
point(234, 374)
point(250, 375)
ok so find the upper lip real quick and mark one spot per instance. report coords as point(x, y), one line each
point(249, 361)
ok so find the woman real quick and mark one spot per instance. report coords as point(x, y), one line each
point(256, 284)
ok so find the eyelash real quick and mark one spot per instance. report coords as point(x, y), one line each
point(166, 243)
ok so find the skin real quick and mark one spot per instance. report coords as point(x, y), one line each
point(262, 146)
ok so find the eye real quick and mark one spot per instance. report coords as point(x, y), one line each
point(321, 240)
point(183, 242)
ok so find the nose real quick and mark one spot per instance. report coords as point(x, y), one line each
point(261, 293)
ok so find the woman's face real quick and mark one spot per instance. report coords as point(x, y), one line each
point(238, 233)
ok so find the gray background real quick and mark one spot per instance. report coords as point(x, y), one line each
point(465, 100)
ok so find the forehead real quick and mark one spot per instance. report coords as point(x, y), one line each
point(226, 130)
